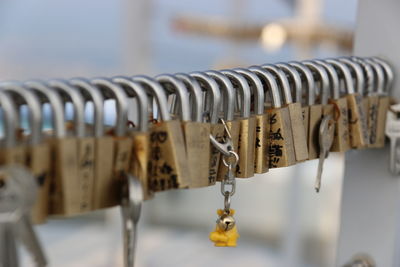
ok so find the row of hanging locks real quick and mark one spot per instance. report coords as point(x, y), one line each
point(192, 130)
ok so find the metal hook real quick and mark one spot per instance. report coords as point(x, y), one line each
point(295, 76)
point(10, 120)
point(323, 78)
point(227, 146)
point(333, 78)
point(281, 77)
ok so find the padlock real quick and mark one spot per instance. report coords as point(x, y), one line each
point(383, 100)
point(10, 124)
point(216, 129)
point(373, 75)
point(68, 195)
point(99, 176)
point(307, 81)
point(123, 146)
point(337, 108)
point(299, 131)
point(247, 131)
point(357, 120)
point(168, 168)
point(139, 133)
point(280, 142)
point(40, 157)
point(228, 103)
point(197, 134)
point(316, 109)
point(295, 114)
point(17, 153)
point(262, 126)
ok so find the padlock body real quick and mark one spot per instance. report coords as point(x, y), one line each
point(139, 160)
point(103, 169)
point(246, 145)
point(341, 141)
point(299, 133)
point(372, 107)
point(281, 150)
point(197, 143)
point(357, 121)
point(168, 168)
point(315, 115)
point(39, 164)
point(381, 120)
point(261, 164)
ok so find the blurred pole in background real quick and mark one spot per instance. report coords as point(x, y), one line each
point(370, 215)
point(135, 36)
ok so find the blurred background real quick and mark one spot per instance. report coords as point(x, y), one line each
point(281, 220)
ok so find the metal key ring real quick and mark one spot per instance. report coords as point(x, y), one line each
point(231, 155)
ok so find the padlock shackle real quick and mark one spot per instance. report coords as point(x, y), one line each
point(294, 76)
point(195, 95)
point(323, 79)
point(333, 78)
point(56, 104)
point(114, 91)
point(35, 109)
point(175, 86)
point(373, 82)
point(283, 82)
point(134, 89)
point(357, 73)
point(242, 86)
point(155, 89)
point(77, 101)
point(257, 89)
point(94, 95)
point(228, 95)
point(213, 93)
point(309, 80)
point(379, 73)
point(10, 119)
point(388, 74)
point(269, 80)
point(343, 72)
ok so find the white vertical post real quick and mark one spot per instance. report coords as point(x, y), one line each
point(371, 197)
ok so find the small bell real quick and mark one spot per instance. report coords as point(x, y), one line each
point(225, 233)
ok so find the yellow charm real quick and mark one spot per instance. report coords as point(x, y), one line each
point(225, 233)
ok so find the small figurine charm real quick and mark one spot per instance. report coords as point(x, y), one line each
point(225, 234)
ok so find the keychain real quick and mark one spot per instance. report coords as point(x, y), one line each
point(225, 233)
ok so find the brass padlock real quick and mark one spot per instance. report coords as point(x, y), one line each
point(337, 108)
point(246, 139)
point(315, 109)
point(168, 168)
point(10, 124)
point(197, 134)
point(299, 131)
point(262, 127)
point(213, 97)
point(383, 101)
point(123, 144)
point(103, 154)
point(374, 77)
point(307, 80)
point(227, 107)
point(280, 143)
point(66, 194)
point(295, 114)
point(41, 155)
point(357, 120)
point(139, 133)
